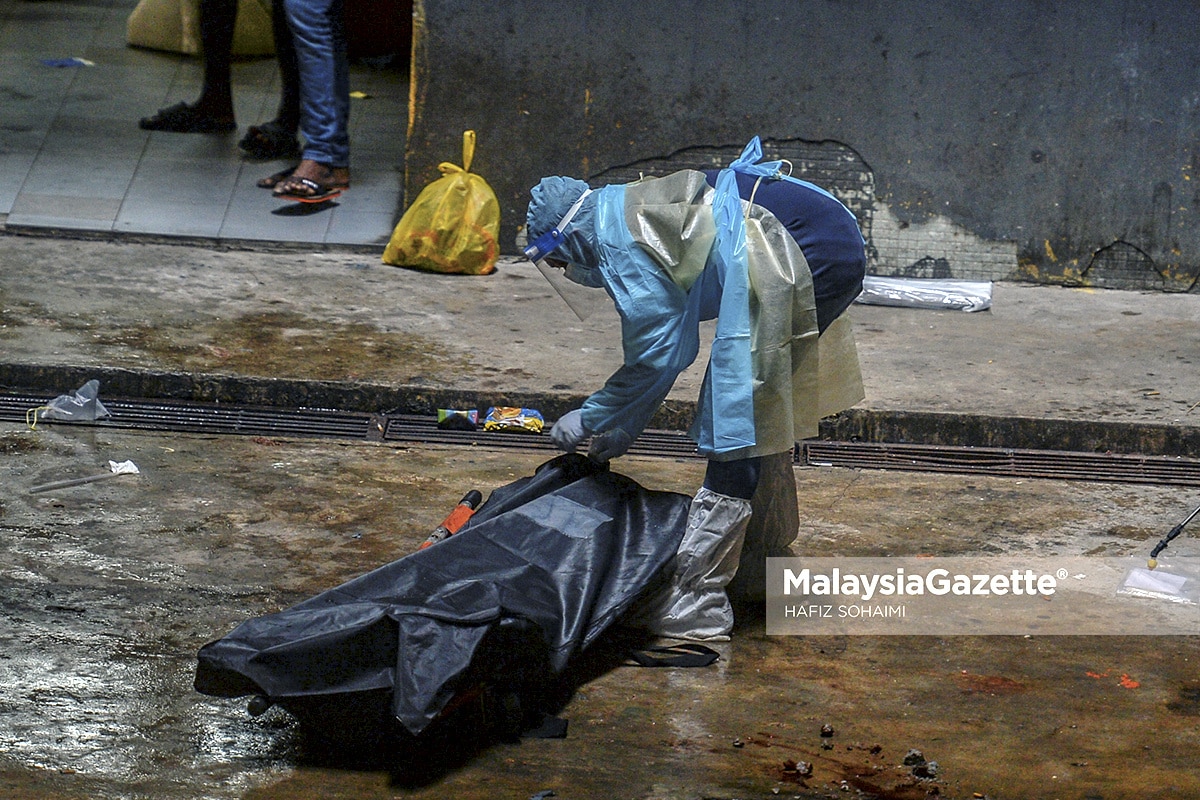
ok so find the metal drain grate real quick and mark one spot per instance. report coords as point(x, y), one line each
point(1104, 467)
point(227, 419)
point(412, 428)
point(209, 418)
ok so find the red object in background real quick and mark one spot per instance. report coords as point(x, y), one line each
point(379, 28)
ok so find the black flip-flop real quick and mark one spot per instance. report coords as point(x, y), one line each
point(321, 192)
point(182, 118)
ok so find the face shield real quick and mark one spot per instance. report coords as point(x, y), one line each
point(579, 298)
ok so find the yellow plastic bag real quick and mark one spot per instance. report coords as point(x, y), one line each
point(174, 26)
point(452, 226)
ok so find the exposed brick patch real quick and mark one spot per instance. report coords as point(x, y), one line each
point(936, 249)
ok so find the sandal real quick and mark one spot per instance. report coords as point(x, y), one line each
point(271, 181)
point(182, 118)
point(306, 190)
point(310, 190)
point(270, 140)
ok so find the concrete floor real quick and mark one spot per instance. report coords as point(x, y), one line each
point(110, 588)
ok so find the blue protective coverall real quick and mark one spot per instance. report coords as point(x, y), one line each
point(672, 252)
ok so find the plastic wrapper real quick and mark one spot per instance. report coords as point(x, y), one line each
point(452, 420)
point(81, 406)
point(502, 418)
point(926, 293)
point(1176, 581)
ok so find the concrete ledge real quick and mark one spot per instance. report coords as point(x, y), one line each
point(866, 425)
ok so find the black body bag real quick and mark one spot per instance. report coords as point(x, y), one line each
point(538, 573)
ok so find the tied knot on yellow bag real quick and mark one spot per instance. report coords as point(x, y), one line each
point(452, 226)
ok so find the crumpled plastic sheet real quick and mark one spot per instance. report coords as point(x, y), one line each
point(82, 406)
point(1177, 581)
point(926, 293)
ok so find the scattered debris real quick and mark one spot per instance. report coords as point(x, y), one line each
point(82, 406)
point(1125, 682)
point(921, 768)
point(73, 61)
point(123, 468)
point(453, 420)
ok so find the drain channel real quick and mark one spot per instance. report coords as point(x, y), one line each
point(1102, 467)
point(229, 419)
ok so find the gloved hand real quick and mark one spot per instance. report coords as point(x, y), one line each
point(568, 432)
point(609, 445)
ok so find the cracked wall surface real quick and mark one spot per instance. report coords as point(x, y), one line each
point(1050, 142)
point(934, 248)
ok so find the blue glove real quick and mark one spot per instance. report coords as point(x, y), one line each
point(568, 432)
point(609, 445)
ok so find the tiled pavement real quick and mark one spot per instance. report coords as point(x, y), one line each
point(73, 158)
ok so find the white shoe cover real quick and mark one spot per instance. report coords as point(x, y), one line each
point(695, 605)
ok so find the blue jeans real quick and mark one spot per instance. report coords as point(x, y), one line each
point(319, 35)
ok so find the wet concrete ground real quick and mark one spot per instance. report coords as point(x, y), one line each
point(108, 590)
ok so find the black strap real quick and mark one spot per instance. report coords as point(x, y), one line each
point(678, 655)
point(551, 727)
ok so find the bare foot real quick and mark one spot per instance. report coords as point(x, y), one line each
point(312, 181)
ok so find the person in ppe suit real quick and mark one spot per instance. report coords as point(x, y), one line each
point(674, 251)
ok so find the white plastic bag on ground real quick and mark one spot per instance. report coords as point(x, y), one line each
point(926, 293)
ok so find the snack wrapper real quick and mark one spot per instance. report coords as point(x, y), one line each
point(452, 420)
point(502, 418)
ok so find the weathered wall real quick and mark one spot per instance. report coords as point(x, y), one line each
point(1001, 138)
